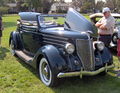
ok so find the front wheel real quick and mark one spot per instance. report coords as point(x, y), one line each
point(47, 76)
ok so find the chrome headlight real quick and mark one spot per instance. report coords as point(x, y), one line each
point(99, 45)
point(70, 48)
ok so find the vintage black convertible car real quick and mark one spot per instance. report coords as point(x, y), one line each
point(58, 51)
point(95, 17)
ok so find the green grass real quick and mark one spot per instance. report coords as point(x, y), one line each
point(18, 77)
point(59, 19)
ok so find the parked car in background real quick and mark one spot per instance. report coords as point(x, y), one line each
point(58, 51)
point(95, 17)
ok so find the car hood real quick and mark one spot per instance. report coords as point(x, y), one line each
point(75, 21)
point(61, 32)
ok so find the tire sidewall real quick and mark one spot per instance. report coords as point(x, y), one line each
point(52, 76)
point(114, 35)
point(12, 49)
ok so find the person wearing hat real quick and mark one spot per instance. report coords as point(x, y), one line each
point(1, 28)
point(106, 27)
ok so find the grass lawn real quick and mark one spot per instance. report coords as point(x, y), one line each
point(18, 77)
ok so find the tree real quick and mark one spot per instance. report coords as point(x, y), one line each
point(88, 6)
point(40, 5)
point(77, 3)
point(22, 5)
point(3, 7)
point(49, 3)
point(99, 5)
point(84, 5)
point(114, 5)
point(2, 2)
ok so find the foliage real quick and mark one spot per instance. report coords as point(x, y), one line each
point(4, 2)
point(61, 11)
point(45, 5)
point(30, 5)
point(40, 5)
point(99, 5)
point(1, 2)
point(114, 5)
point(22, 6)
point(3, 10)
point(84, 5)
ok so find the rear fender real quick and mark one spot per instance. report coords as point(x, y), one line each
point(16, 38)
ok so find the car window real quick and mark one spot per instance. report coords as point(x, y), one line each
point(50, 21)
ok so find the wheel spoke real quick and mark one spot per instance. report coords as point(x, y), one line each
point(45, 72)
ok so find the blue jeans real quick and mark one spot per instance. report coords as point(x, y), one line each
point(106, 39)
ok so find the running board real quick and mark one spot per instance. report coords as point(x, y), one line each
point(24, 56)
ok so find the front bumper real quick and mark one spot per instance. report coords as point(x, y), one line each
point(85, 73)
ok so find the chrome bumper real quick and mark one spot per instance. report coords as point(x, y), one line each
point(85, 73)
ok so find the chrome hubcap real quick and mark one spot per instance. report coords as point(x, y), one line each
point(45, 72)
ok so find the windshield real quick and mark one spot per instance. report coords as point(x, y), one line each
point(51, 20)
point(77, 22)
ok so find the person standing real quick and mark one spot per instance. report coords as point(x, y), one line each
point(118, 45)
point(106, 27)
point(1, 28)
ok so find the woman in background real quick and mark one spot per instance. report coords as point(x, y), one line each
point(118, 45)
point(1, 28)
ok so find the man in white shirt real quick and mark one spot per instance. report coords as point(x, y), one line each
point(106, 26)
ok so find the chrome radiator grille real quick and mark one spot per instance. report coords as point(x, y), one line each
point(85, 53)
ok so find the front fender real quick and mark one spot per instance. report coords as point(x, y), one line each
point(103, 57)
point(52, 54)
point(106, 56)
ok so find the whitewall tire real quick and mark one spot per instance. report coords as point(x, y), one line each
point(12, 48)
point(47, 76)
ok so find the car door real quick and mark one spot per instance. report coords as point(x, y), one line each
point(31, 39)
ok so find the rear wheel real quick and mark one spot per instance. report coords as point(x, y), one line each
point(12, 47)
point(114, 38)
point(47, 76)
